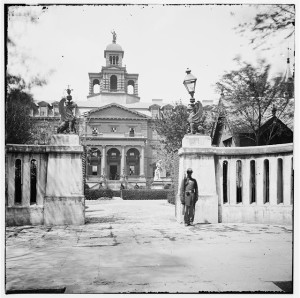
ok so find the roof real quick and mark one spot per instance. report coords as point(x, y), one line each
point(134, 113)
point(114, 47)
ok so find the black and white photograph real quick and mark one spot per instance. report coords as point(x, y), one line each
point(148, 148)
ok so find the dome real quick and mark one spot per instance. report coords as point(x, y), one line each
point(114, 47)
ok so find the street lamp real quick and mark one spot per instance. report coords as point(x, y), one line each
point(190, 85)
point(195, 110)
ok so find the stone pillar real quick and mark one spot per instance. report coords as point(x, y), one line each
point(232, 181)
point(259, 181)
point(91, 87)
point(246, 181)
point(64, 200)
point(273, 180)
point(197, 153)
point(142, 161)
point(103, 161)
point(122, 161)
point(287, 180)
point(26, 180)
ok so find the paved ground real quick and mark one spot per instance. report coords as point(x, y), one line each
point(137, 246)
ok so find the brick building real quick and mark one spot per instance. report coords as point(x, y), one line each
point(114, 125)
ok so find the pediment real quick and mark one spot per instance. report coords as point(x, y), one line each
point(115, 111)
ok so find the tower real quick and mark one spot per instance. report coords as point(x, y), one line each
point(113, 78)
point(288, 81)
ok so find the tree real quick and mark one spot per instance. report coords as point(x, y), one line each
point(19, 103)
point(249, 97)
point(274, 20)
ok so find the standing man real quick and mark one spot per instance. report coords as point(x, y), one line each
point(189, 197)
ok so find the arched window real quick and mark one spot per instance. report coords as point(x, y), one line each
point(96, 86)
point(114, 60)
point(279, 181)
point(239, 198)
point(266, 181)
point(110, 59)
point(113, 82)
point(18, 181)
point(130, 87)
point(94, 162)
point(252, 182)
point(225, 181)
point(133, 162)
point(33, 180)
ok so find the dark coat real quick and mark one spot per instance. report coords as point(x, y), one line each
point(190, 199)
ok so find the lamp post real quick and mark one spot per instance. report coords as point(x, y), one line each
point(190, 85)
point(195, 109)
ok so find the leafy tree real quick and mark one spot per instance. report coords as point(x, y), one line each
point(18, 122)
point(273, 20)
point(249, 97)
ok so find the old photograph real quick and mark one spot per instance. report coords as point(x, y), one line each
point(149, 148)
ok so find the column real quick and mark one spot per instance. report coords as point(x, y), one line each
point(26, 180)
point(273, 180)
point(91, 91)
point(246, 181)
point(122, 161)
point(287, 179)
point(232, 181)
point(259, 181)
point(142, 158)
point(103, 161)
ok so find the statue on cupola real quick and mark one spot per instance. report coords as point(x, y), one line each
point(114, 36)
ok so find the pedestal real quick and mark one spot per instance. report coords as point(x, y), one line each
point(64, 200)
point(160, 184)
point(196, 153)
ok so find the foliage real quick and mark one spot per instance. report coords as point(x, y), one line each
point(249, 97)
point(270, 22)
point(94, 194)
point(17, 112)
point(145, 194)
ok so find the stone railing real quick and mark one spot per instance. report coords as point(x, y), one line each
point(239, 184)
point(44, 183)
point(255, 184)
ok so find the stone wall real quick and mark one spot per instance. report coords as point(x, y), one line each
point(250, 184)
point(45, 183)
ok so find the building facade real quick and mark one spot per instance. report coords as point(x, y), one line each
point(114, 125)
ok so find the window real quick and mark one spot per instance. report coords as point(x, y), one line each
point(131, 132)
point(130, 87)
point(266, 181)
point(18, 181)
point(239, 198)
point(94, 131)
point(113, 82)
point(279, 181)
point(94, 170)
point(154, 113)
point(43, 111)
point(225, 181)
point(33, 180)
point(252, 182)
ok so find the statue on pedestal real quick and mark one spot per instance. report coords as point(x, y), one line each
point(157, 173)
point(67, 118)
point(114, 36)
point(194, 119)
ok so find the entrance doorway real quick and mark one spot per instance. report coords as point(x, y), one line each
point(113, 172)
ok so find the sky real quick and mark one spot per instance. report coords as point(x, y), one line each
point(159, 43)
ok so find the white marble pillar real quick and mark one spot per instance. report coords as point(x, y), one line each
point(273, 180)
point(287, 179)
point(122, 161)
point(103, 161)
point(142, 160)
point(259, 168)
point(232, 181)
point(246, 181)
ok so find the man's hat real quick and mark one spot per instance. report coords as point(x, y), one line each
point(189, 170)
